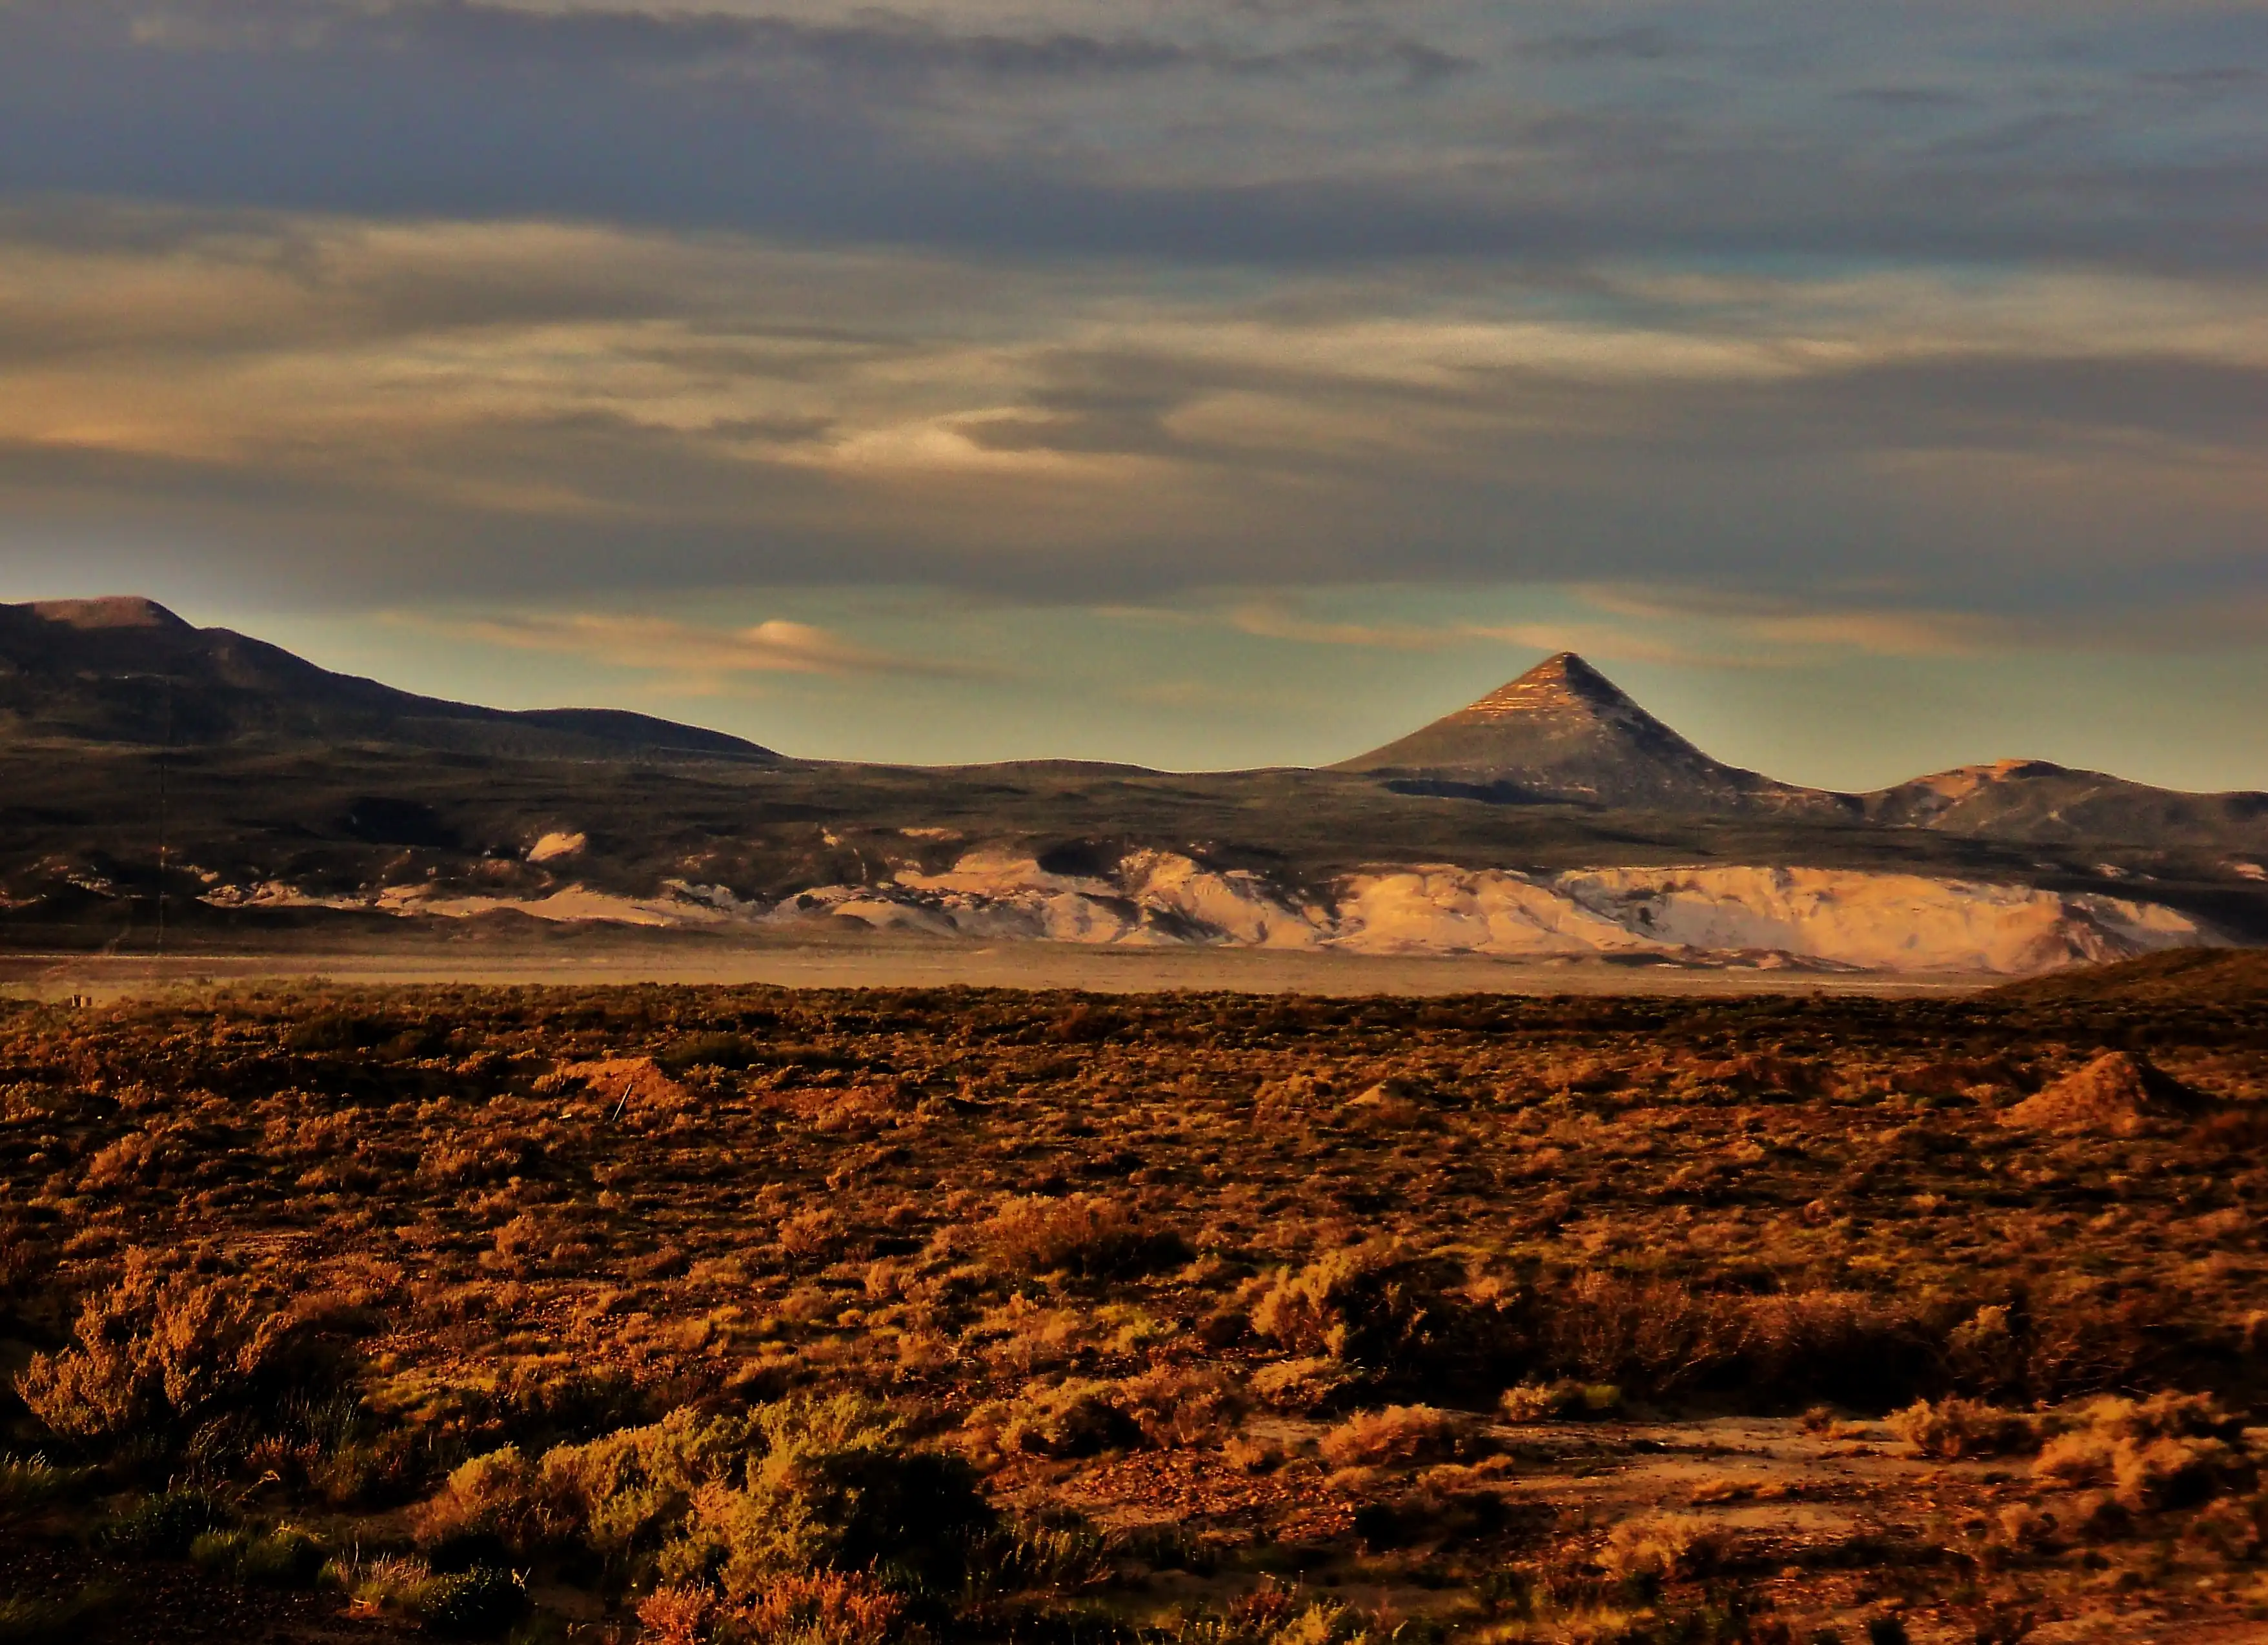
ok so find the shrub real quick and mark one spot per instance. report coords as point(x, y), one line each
point(284, 1557)
point(2168, 1452)
point(731, 1503)
point(826, 1608)
point(479, 1601)
point(1563, 1400)
point(31, 1482)
point(157, 1358)
point(1082, 1234)
point(1659, 1337)
point(1662, 1547)
point(1076, 1419)
point(835, 1488)
point(482, 1600)
point(814, 1608)
point(1377, 1308)
point(1302, 1385)
point(620, 1496)
point(1955, 1427)
point(165, 1525)
point(1025, 1556)
point(704, 1050)
point(1397, 1433)
point(499, 1497)
point(1177, 1407)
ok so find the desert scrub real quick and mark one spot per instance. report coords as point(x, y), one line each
point(2171, 1450)
point(1377, 1308)
point(1561, 1401)
point(811, 1608)
point(727, 1502)
point(1304, 1385)
point(1954, 1427)
point(1399, 1434)
point(1178, 1406)
point(1081, 1235)
point(1073, 1418)
point(166, 1525)
point(479, 1601)
point(1661, 1547)
point(156, 1357)
point(283, 1556)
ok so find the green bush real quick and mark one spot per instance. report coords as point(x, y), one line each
point(166, 1525)
point(31, 1482)
point(284, 1557)
point(834, 1488)
point(1077, 1419)
point(482, 1600)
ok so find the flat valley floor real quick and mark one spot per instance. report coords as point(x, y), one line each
point(574, 959)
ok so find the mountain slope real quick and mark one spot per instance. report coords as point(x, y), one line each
point(2034, 801)
point(1563, 731)
point(129, 671)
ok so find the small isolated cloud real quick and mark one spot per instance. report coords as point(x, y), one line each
point(686, 649)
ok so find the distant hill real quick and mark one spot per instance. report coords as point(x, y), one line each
point(129, 671)
point(2035, 801)
point(1563, 731)
point(2193, 976)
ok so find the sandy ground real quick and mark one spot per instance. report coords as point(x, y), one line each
point(928, 965)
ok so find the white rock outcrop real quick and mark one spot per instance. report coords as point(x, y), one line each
point(1842, 918)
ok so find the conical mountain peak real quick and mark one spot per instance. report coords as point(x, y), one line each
point(1558, 685)
point(1563, 731)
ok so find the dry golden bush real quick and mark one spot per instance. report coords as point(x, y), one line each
point(1398, 1433)
point(1954, 1427)
point(1663, 1545)
point(1083, 1234)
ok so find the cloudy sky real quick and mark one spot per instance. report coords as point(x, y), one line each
point(1870, 387)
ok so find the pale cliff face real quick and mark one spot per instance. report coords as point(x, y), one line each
point(1884, 922)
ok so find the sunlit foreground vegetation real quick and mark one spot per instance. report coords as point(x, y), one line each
point(762, 1318)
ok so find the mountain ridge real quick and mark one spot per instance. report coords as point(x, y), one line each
point(1561, 732)
point(142, 758)
point(125, 668)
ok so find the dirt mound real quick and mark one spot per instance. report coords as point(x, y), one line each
point(2117, 1094)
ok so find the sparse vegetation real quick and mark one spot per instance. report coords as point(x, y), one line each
point(734, 1315)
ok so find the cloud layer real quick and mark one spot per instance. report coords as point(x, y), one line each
point(1861, 330)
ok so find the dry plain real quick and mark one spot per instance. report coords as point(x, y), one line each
point(733, 1312)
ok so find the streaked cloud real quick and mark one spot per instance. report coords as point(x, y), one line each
point(687, 653)
point(1698, 336)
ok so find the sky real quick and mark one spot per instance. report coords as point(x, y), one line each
point(1869, 387)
